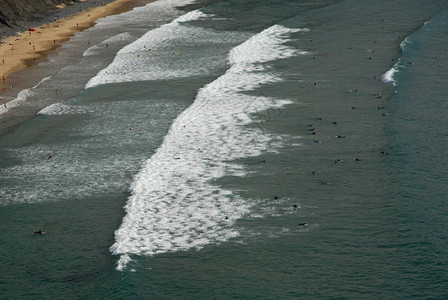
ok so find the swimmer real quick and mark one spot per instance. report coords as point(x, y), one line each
point(50, 157)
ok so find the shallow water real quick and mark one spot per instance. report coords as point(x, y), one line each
point(201, 127)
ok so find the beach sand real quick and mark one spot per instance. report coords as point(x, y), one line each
point(24, 49)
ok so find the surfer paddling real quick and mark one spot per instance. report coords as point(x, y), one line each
point(40, 232)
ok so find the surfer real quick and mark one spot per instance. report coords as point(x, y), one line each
point(302, 224)
point(40, 232)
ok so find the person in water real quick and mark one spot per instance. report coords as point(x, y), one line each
point(40, 232)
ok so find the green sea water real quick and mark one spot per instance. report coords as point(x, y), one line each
point(185, 167)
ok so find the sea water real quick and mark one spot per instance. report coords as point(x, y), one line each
point(176, 150)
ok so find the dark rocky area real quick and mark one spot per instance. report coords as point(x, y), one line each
point(19, 15)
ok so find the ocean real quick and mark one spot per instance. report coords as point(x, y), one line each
point(207, 149)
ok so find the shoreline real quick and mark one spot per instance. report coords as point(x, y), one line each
point(25, 49)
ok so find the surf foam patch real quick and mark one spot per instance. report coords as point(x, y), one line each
point(58, 109)
point(156, 54)
point(174, 205)
point(22, 96)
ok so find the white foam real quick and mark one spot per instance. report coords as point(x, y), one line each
point(152, 57)
point(58, 109)
point(404, 43)
point(389, 76)
point(22, 96)
point(96, 49)
point(173, 205)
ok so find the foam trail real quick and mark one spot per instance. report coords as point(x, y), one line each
point(389, 76)
point(173, 206)
point(141, 60)
point(21, 97)
point(97, 48)
point(58, 109)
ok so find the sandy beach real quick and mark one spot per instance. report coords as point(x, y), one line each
point(24, 49)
